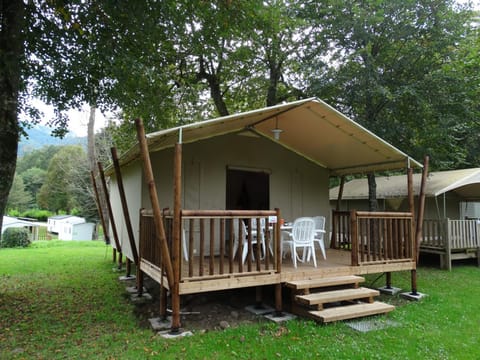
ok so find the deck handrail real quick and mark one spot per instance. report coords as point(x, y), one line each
point(451, 234)
point(207, 232)
point(374, 237)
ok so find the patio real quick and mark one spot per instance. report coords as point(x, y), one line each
point(200, 272)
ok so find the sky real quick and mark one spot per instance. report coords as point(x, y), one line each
point(78, 118)
point(79, 121)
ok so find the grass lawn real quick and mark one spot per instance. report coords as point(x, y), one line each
point(61, 300)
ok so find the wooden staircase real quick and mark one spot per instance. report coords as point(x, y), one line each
point(335, 298)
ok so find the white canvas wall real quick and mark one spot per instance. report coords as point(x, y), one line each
point(132, 183)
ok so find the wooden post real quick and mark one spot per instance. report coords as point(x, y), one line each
point(110, 214)
point(413, 274)
point(139, 282)
point(277, 243)
point(120, 261)
point(128, 267)
point(448, 245)
point(419, 224)
point(278, 300)
point(411, 201)
point(388, 284)
point(354, 237)
point(278, 259)
point(421, 208)
point(176, 251)
point(123, 199)
point(258, 297)
point(163, 302)
point(141, 249)
point(411, 204)
point(99, 208)
point(157, 214)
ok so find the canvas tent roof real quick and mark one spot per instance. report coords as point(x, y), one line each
point(310, 127)
point(466, 183)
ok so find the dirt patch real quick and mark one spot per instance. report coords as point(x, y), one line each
point(207, 311)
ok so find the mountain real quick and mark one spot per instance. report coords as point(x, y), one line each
point(39, 136)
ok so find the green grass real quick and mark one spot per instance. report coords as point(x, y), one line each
point(61, 300)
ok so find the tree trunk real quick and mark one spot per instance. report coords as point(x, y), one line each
point(92, 162)
point(213, 80)
point(91, 139)
point(273, 84)
point(217, 96)
point(11, 54)
point(372, 193)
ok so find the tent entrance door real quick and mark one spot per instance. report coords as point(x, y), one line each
point(247, 190)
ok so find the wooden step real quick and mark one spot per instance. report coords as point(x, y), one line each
point(351, 311)
point(325, 282)
point(337, 295)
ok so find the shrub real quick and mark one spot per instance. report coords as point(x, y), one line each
point(15, 237)
point(40, 215)
point(13, 213)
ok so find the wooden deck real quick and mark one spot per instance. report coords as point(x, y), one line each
point(336, 264)
point(214, 241)
point(451, 239)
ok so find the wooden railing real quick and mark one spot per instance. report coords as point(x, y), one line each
point(341, 237)
point(208, 245)
point(449, 234)
point(374, 237)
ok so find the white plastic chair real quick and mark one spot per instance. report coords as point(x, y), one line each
point(244, 238)
point(261, 235)
point(184, 246)
point(320, 233)
point(302, 236)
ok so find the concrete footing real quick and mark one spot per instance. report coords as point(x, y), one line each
point(125, 277)
point(169, 335)
point(259, 309)
point(410, 296)
point(159, 324)
point(133, 289)
point(144, 297)
point(282, 318)
point(389, 290)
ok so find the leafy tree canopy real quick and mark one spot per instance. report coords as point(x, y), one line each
point(407, 70)
point(390, 68)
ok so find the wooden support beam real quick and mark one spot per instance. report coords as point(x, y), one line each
point(388, 284)
point(419, 223)
point(258, 296)
point(128, 267)
point(354, 237)
point(277, 244)
point(110, 214)
point(411, 202)
point(157, 213)
point(421, 208)
point(176, 251)
point(139, 281)
point(411, 205)
point(278, 299)
point(123, 200)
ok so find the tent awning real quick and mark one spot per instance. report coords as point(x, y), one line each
point(310, 128)
point(465, 182)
